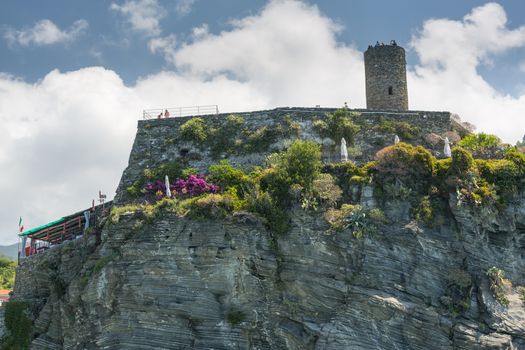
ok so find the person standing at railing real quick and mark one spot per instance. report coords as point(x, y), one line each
point(166, 114)
point(160, 115)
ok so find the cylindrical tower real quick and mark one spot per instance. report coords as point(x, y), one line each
point(386, 77)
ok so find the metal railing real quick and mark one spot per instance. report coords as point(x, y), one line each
point(176, 112)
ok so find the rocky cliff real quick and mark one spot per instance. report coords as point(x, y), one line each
point(171, 282)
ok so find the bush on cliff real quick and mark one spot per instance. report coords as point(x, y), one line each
point(503, 173)
point(174, 169)
point(337, 125)
point(404, 130)
point(18, 326)
point(403, 167)
point(498, 285)
point(227, 176)
point(208, 206)
point(224, 138)
point(462, 162)
point(300, 163)
point(481, 145)
point(193, 130)
point(360, 221)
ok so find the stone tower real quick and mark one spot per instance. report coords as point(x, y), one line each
point(386, 78)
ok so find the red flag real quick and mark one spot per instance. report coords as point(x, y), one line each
point(21, 228)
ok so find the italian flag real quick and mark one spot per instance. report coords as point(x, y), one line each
point(20, 226)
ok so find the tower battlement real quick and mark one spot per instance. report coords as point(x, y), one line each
point(385, 74)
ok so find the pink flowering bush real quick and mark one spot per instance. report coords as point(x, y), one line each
point(194, 185)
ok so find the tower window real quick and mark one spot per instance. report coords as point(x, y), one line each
point(390, 90)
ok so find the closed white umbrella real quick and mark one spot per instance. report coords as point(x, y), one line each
point(344, 150)
point(167, 183)
point(446, 151)
point(396, 140)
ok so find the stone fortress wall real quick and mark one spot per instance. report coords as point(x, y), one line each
point(156, 140)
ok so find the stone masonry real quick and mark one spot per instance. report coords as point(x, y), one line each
point(386, 81)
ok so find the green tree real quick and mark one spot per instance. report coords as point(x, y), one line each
point(301, 163)
point(481, 145)
point(7, 273)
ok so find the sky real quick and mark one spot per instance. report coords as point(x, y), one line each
point(75, 76)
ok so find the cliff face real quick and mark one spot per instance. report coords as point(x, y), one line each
point(175, 283)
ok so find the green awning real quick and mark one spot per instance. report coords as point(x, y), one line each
point(36, 229)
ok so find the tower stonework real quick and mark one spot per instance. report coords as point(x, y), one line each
point(386, 79)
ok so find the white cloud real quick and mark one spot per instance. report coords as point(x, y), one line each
point(293, 62)
point(183, 7)
point(200, 32)
point(164, 45)
point(447, 78)
point(522, 66)
point(45, 32)
point(143, 15)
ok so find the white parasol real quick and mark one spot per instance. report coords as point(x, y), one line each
point(446, 151)
point(344, 150)
point(167, 184)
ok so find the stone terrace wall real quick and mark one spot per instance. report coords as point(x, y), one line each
point(156, 139)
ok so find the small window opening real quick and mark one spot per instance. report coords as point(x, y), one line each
point(390, 90)
point(184, 152)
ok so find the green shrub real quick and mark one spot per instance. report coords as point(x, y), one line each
point(355, 218)
point(326, 190)
point(174, 169)
point(498, 284)
point(404, 130)
point(7, 273)
point(503, 173)
point(277, 184)
point(405, 168)
point(347, 175)
point(209, 206)
point(235, 318)
point(481, 145)
point(518, 159)
point(185, 173)
point(424, 211)
point(291, 127)
point(259, 140)
point(442, 169)
point(227, 176)
point(117, 211)
point(149, 210)
point(344, 170)
point(337, 125)
point(18, 325)
point(277, 218)
point(193, 130)
point(301, 163)
point(404, 161)
point(459, 288)
point(462, 161)
point(102, 262)
point(224, 138)
point(234, 121)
